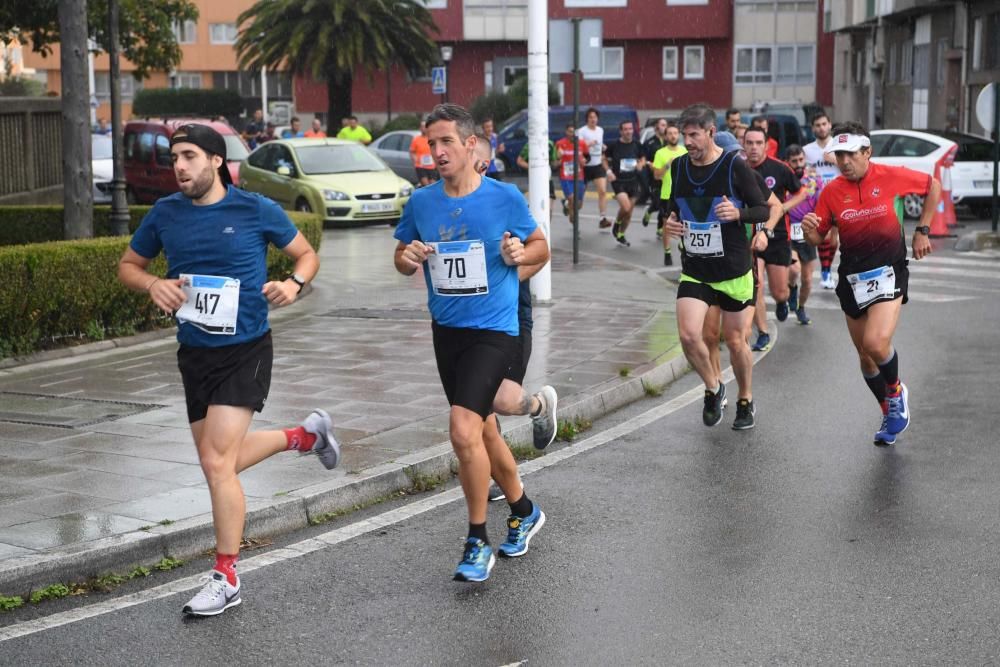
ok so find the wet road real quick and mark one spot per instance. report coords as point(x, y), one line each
point(795, 543)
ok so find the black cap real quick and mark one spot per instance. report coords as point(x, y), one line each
point(206, 139)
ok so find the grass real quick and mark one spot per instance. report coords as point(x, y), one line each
point(652, 389)
point(419, 483)
point(569, 430)
point(50, 592)
point(525, 452)
point(11, 602)
point(624, 371)
point(167, 563)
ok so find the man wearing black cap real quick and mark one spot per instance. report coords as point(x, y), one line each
point(215, 238)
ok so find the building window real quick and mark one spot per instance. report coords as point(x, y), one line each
point(187, 80)
point(942, 61)
point(222, 33)
point(694, 62)
point(795, 64)
point(906, 62)
point(247, 84)
point(753, 64)
point(612, 64)
point(126, 83)
point(436, 4)
point(186, 32)
point(669, 62)
point(596, 3)
point(772, 6)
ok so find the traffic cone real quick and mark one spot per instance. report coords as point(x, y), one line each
point(950, 218)
point(939, 225)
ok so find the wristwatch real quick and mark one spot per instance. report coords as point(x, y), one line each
point(923, 229)
point(297, 279)
point(769, 233)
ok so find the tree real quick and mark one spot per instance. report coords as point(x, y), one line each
point(147, 39)
point(329, 39)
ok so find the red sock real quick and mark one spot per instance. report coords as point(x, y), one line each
point(893, 389)
point(299, 438)
point(226, 564)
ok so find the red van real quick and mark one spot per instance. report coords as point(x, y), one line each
point(149, 172)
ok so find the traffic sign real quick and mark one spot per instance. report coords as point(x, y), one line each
point(984, 106)
point(439, 80)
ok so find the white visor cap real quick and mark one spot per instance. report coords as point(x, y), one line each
point(849, 143)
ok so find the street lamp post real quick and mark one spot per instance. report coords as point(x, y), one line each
point(119, 205)
point(446, 53)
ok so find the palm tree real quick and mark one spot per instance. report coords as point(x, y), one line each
point(330, 39)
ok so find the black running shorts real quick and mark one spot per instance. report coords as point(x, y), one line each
point(807, 252)
point(711, 296)
point(238, 375)
point(594, 172)
point(472, 363)
point(631, 188)
point(519, 364)
point(778, 253)
point(846, 295)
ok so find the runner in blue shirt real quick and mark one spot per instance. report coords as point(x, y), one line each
point(215, 239)
point(469, 235)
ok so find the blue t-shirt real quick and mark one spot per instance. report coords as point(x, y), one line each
point(228, 238)
point(483, 215)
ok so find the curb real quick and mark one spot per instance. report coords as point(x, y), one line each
point(191, 536)
point(977, 241)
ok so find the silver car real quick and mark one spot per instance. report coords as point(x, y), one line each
point(394, 149)
point(103, 167)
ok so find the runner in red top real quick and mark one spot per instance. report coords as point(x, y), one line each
point(866, 207)
point(564, 148)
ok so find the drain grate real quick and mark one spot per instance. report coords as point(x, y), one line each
point(65, 411)
point(379, 313)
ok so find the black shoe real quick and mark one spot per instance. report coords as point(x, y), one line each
point(745, 411)
point(668, 258)
point(715, 403)
point(614, 229)
point(781, 311)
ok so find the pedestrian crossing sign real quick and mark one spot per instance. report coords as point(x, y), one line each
point(439, 80)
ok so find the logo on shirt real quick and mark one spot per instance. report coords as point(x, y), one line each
point(457, 212)
point(770, 181)
point(848, 200)
point(229, 230)
point(855, 213)
point(876, 191)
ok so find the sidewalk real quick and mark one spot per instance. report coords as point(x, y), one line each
point(98, 471)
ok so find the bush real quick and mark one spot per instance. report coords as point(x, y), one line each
point(39, 224)
point(495, 105)
point(518, 94)
point(404, 122)
point(209, 102)
point(66, 291)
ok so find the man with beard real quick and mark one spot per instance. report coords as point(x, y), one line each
point(778, 255)
point(215, 238)
point(805, 253)
point(623, 162)
point(661, 170)
point(819, 157)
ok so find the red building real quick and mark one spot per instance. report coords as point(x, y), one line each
point(658, 56)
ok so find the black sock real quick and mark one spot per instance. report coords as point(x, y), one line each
point(522, 507)
point(877, 384)
point(890, 370)
point(478, 531)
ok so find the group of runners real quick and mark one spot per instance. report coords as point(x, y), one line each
point(477, 245)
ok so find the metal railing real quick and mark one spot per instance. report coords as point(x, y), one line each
point(30, 144)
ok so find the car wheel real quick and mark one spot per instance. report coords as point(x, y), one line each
point(913, 206)
point(303, 206)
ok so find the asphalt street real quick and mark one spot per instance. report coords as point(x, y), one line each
point(795, 543)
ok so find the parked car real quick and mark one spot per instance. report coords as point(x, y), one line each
point(102, 165)
point(514, 133)
point(971, 174)
point(394, 149)
point(149, 170)
point(342, 180)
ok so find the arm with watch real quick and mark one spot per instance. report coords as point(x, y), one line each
point(285, 292)
point(922, 234)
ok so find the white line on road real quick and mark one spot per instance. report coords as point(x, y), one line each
point(357, 529)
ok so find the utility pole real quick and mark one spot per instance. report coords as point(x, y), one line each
point(77, 171)
point(539, 169)
point(119, 218)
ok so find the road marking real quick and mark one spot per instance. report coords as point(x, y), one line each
point(357, 529)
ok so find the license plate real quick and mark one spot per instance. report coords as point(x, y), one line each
point(377, 207)
point(984, 185)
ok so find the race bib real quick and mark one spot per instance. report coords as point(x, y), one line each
point(458, 268)
point(568, 171)
point(426, 161)
point(213, 303)
point(703, 239)
point(873, 285)
point(627, 164)
point(797, 234)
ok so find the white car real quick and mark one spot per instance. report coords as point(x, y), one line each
point(971, 174)
point(102, 166)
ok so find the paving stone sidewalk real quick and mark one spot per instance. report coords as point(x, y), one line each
point(95, 453)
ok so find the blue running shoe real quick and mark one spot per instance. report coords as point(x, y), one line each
point(520, 531)
point(793, 297)
point(883, 438)
point(781, 311)
point(898, 416)
point(763, 342)
point(477, 561)
point(804, 318)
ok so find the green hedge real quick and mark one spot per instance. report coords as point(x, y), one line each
point(207, 102)
point(66, 292)
point(39, 224)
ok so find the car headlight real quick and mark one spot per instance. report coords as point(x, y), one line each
point(406, 191)
point(335, 195)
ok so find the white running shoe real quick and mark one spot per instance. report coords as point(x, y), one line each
point(215, 597)
point(326, 446)
point(544, 426)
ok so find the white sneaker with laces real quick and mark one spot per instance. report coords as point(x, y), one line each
point(544, 425)
point(326, 446)
point(215, 597)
